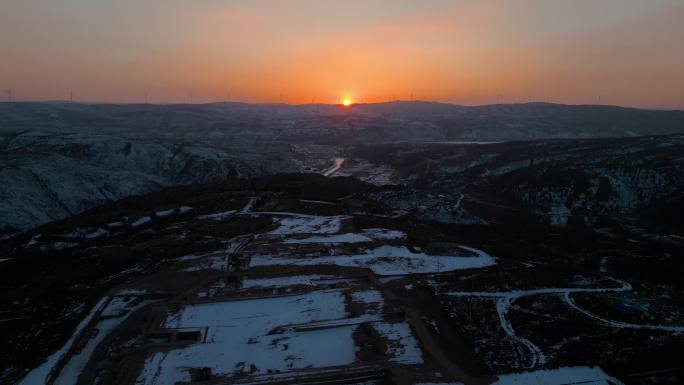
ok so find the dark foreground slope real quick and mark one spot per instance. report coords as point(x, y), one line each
point(569, 296)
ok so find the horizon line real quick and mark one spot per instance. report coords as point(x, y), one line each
point(285, 104)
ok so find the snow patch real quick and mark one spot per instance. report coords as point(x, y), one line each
point(590, 375)
point(142, 221)
point(401, 345)
point(308, 280)
point(387, 260)
point(308, 224)
point(40, 374)
point(257, 348)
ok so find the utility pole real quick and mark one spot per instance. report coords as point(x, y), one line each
point(191, 96)
point(9, 95)
point(146, 99)
point(71, 96)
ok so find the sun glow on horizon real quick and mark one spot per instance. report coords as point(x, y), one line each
point(346, 102)
point(465, 52)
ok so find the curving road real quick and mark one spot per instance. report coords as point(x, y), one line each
point(506, 298)
point(337, 164)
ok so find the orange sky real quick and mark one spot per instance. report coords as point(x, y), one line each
point(628, 51)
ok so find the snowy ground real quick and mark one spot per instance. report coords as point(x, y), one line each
point(217, 260)
point(307, 280)
point(588, 375)
point(402, 347)
point(179, 210)
point(331, 239)
point(254, 350)
point(112, 313)
point(367, 235)
point(220, 216)
point(308, 224)
point(40, 374)
point(387, 260)
point(373, 173)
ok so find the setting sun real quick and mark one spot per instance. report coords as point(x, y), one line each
point(346, 102)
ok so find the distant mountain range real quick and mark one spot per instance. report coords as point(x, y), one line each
point(361, 123)
point(58, 159)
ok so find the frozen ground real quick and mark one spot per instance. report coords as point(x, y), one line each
point(367, 235)
point(308, 280)
point(221, 216)
point(179, 210)
point(112, 315)
point(254, 350)
point(374, 173)
point(112, 312)
point(217, 260)
point(586, 375)
point(307, 224)
point(331, 239)
point(387, 260)
point(41, 374)
point(402, 347)
point(142, 221)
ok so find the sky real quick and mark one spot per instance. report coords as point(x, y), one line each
point(625, 52)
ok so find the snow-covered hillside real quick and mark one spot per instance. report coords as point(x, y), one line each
point(628, 179)
point(45, 177)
